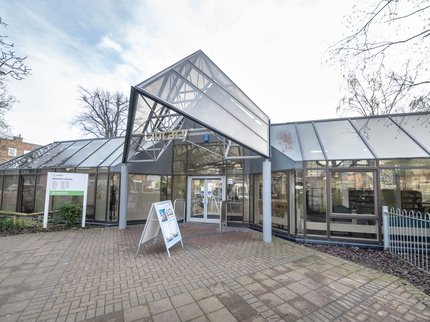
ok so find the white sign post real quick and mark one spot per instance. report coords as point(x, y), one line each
point(161, 215)
point(66, 184)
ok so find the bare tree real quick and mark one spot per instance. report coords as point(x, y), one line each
point(385, 56)
point(10, 63)
point(104, 114)
point(13, 66)
point(6, 102)
point(381, 92)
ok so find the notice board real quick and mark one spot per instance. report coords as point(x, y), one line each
point(161, 215)
point(66, 184)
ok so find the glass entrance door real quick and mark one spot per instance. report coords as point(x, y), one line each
point(204, 198)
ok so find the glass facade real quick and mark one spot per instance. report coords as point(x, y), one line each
point(193, 135)
point(24, 185)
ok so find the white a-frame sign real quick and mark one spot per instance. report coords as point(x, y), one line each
point(161, 215)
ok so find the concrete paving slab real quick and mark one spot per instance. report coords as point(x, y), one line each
point(229, 275)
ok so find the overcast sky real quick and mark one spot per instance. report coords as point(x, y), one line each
point(274, 50)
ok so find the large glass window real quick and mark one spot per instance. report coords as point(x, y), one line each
point(205, 159)
point(258, 199)
point(100, 211)
point(113, 196)
point(279, 201)
point(10, 192)
point(28, 186)
point(415, 189)
point(236, 191)
point(353, 205)
point(316, 208)
point(300, 211)
point(389, 185)
point(40, 192)
point(180, 159)
point(143, 191)
point(353, 192)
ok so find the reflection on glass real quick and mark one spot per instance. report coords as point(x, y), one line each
point(100, 210)
point(351, 163)
point(180, 159)
point(310, 146)
point(376, 131)
point(354, 228)
point(415, 189)
point(10, 192)
point(353, 192)
point(205, 160)
point(113, 196)
point(197, 198)
point(341, 140)
point(237, 191)
point(143, 191)
point(389, 185)
point(300, 209)
point(258, 200)
point(417, 125)
point(27, 201)
point(315, 181)
point(279, 201)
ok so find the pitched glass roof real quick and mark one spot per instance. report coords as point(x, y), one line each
point(197, 89)
point(71, 154)
point(378, 137)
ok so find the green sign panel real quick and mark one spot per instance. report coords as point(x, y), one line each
point(66, 193)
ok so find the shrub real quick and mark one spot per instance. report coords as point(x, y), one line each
point(6, 224)
point(70, 213)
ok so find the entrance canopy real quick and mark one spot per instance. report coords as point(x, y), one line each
point(192, 91)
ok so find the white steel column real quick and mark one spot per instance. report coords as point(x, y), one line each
point(123, 197)
point(267, 201)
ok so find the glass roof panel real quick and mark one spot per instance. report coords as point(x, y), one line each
point(309, 142)
point(418, 126)
point(284, 138)
point(102, 153)
point(141, 114)
point(59, 159)
point(84, 153)
point(223, 98)
point(224, 109)
point(341, 141)
point(117, 154)
point(387, 140)
point(24, 160)
point(209, 68)
point(200, 107)
point(48, 155)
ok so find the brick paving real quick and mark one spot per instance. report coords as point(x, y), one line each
point(95, 275)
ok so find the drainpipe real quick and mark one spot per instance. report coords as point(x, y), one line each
point(123, 199)
point(267, 201)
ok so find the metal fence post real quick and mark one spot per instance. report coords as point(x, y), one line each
point(386, 227)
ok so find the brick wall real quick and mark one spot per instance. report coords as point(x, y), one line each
point(13, 147)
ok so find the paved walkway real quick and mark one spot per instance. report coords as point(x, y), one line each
point(218, 276)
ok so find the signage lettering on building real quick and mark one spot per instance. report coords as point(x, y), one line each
point(169, 135)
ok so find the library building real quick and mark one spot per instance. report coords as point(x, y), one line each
point(194, 137)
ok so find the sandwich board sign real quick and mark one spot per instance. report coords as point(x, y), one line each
point(161, 215)
point(66, 184)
